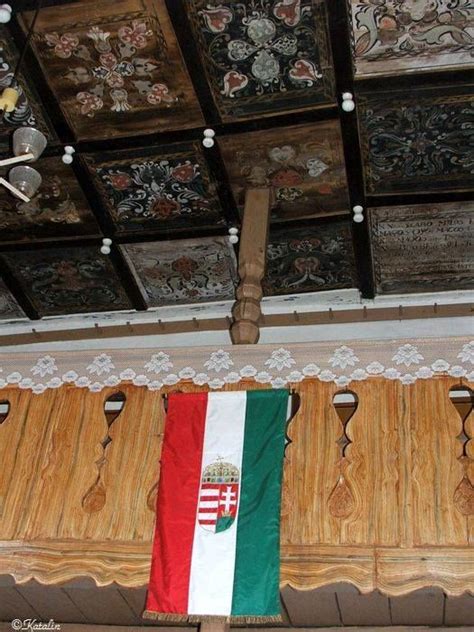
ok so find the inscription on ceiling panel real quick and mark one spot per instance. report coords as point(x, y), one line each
point(423, 248)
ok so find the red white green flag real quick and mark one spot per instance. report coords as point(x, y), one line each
point(217, 537)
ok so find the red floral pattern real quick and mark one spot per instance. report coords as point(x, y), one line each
point(113, 73)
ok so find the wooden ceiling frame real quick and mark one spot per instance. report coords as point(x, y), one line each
point(339, 23)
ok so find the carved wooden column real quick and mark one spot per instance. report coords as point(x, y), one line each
point(252, 258)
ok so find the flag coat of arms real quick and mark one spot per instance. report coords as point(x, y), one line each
point(216, 550)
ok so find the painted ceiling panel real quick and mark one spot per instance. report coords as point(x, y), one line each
point(310, 259)
point(423, 248)
point(303, 164)
point(170, 190)
point(399, 36)
point(28, 111)
point(417, 141)
point(9, 308)
point(116, 69)
point(184, 270)
point(264, 56)
point(68, 280)
point(60, 208)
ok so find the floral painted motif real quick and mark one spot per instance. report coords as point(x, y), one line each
point(58, 209)
point(118, 71)
point(101, 364)
point(277, 367)
point(68, 280)
point(308, 260)
point(407, 355)
point(184, 271)
point(159, 362)
point(440, 366)
point(393, 36)
point(279, 359)
point(44, 366)
point(424, 373)
point(342, 357)
point(248, 371)
point(375, 368)
point(219, 360)
point(264, 55)
point(311, 370)
point(413, 143)
point(467, 352)
point(172, 192)
point(304, 165)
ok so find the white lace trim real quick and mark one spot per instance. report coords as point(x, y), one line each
point(405, 361)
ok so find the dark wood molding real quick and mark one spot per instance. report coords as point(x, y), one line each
point(293, 319)
point(128, 280)
point(342, 57)
point(8, 277)
point(190, 52)
point(32, 69)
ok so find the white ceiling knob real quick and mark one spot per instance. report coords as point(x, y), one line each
point(348, 104)
point(107, 241)
point(5, 13)
point(67, 156)
point(234, 239)
point(358, 211)
point(233, 230)
point(105, 250)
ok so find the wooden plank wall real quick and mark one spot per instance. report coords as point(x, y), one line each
point(370, 500)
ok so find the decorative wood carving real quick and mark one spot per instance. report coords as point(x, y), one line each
point(464, 494)
point(95, 497)
point(4, 403)
point(252, 257)
point(405, 531)
point(341, 501)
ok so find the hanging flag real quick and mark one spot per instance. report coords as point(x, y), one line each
point(216, 551)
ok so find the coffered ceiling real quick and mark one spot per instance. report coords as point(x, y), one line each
point(132, 84)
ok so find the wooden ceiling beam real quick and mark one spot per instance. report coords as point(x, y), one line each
point(290, 319)
point(342, 58)
point(32, 69)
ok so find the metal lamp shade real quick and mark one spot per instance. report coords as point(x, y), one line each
point(25, 179)
point(28, 140)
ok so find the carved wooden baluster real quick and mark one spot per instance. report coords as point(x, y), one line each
point(152, 495)
point(462, 399)
point(252, 258)
point(4, 410)
point(293, 408)
point(341, 501)
point(95, 497)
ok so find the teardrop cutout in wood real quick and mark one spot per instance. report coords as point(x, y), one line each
point(152, 498)
point(95, 498)
point(4, 410)
point(464, 497)
point(341, 502)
